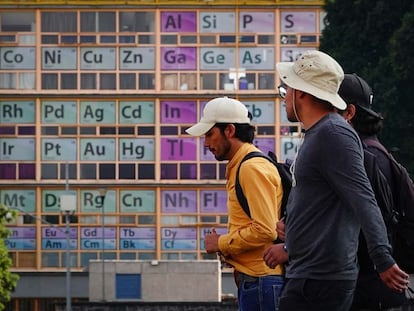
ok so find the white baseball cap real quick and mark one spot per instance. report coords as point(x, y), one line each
point(220, 110)
point(316, 73)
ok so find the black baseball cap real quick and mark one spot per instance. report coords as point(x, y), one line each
point(355, 90)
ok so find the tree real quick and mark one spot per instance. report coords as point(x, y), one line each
point(375, 39)
point(8, 280)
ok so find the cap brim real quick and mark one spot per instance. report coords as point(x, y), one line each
point(199, 129)
point(289, 77)
point(371, 112)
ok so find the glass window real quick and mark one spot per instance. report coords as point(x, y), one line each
point(266, 81)
point(208, 171)
point(108, 81)
point(88, 81)
point(208, 219)
point(71, 168)
point(127, 220)
point(49, 171)
point(86, 257)
point(146, 39)
point(88, 131)
point(69, 130)
point(49, 81)
point(169, 39)
point(28, 220)
point(50, 259)
point(17, 21)
point(73, 258)
point(127, 256)
point(7, 171)
point(69, 39)
point(8, 38)
point(171, 256)
point(125, 130)
point(170, 220)
point(288, 39)
point(59, 22)
point(224, 219)
point(27, 260)
point(307, 39)
point(188, 39)
point(247, 39)
point(108, 39)
point(97, 21)
point(107, 171)
point(127, 81)
point(208, 81)
point(8, 81)
point(137, 21)
point(188, 171)
point(207, 39)
point(146, 220)
point(68, 81)
point(146, 256)
point(227, 39)
point(88, 220)
point(87, 39)
point(127, 39)
point(27, 81)
point(127, 171)
point(169, 81)
point(146, 81)
point(189, 219)
point(189, 256)
point(50, 39)
point(146, 130)
point(146, 171)
point(88, 171)
point(266, 39)
point(27, 39)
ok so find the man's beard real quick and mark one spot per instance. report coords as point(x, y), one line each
point(224, 154)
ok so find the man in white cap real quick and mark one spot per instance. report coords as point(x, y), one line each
point(228, 134)
point(331, 198)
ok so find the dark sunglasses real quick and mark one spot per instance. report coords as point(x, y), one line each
point(282, 90)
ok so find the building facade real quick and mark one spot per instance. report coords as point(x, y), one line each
point(95, 100)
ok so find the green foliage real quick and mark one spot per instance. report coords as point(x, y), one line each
point(375, 39)
point(8, 280)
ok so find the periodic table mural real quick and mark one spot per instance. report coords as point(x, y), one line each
point(87, 106)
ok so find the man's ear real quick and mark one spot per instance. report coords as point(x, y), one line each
point(351, 111)
point(230, 130)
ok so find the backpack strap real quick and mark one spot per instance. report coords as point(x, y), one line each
point(375, 143)
point(239, 191)
point(394, 165)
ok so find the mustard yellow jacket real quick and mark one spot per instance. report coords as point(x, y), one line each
point(247, 239)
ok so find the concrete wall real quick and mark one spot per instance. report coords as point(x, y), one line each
point(167, 280)
point(50, 285)
point(53, 285)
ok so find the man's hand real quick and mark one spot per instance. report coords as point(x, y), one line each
point(395, 278)
point(280, 229)
point(275, 255)
point(211, 242)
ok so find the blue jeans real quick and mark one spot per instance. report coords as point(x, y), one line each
point(260, 294)
point(316, 295)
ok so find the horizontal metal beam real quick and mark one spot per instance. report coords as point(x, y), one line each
point(174, 3)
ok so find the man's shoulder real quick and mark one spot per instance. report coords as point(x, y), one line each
point(257, 159)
